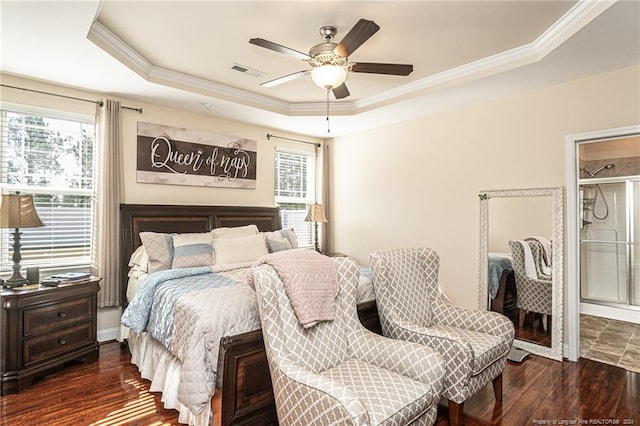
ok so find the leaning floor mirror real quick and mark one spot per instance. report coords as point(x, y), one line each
point(521, 264)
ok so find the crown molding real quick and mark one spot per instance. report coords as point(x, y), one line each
point(583, 12)
point(202, 86)
point(104, 38)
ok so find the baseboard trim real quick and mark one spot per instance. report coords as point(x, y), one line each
point(108, 334)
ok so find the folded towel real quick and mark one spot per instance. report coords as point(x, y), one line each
point(310, 281)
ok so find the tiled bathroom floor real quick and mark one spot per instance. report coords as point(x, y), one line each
point(610, 341)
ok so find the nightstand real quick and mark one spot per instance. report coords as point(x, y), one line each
point(45, 327)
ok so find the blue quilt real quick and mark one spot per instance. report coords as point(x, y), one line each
point(151, 309)
point(497, 264)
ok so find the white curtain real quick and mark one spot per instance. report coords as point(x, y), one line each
point(322, 189)
point(108, 194)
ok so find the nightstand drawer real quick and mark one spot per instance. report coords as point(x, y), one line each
point(56, 343)
point(58, 315)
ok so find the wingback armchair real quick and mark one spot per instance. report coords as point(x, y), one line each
point(473, 343)
point(533, 294)
point(337, 372)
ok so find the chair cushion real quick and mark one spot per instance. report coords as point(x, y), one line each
point(487, 348)
point(389, 398)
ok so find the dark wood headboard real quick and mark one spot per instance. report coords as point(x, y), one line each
point(136, 218)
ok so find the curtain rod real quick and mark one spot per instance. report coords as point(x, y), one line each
point(65, 96)
point(269, 136)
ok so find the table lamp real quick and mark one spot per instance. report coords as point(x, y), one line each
point(315, 215)
point(18, 211)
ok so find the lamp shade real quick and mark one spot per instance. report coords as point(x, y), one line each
point(315, 214)
point(18, 211)
point(328, 76)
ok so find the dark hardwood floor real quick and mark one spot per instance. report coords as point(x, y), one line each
point(538, 391)
point(532, 329)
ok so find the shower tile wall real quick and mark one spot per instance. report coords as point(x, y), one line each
point(628, 166)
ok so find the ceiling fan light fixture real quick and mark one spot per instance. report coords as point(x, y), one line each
point(328, 76)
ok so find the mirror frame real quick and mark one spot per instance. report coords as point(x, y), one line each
point(557, 235)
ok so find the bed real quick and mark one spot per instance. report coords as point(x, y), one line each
point(501, 284)
point(244, 386)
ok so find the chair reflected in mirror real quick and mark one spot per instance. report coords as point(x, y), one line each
point(533, 285)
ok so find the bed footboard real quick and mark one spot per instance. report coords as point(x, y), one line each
point(247, 397)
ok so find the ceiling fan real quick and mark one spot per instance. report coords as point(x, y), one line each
point(329, 61)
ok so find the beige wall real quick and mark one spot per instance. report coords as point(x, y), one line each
point(414, 183)
point(109, 319)
point(516, 218)
point(417, 183)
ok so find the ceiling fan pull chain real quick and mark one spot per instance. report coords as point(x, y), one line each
point(328, 98)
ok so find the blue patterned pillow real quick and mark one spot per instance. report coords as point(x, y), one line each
point(192, 250)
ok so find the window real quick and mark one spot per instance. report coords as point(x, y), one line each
point(294, 190)
point(50, 156)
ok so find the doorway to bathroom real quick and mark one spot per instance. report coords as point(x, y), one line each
point(603, 237)
point(609, 210)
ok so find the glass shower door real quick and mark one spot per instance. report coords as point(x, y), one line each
point(604, 248)
point(634, 245)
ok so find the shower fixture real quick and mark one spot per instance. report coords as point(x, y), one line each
point(589, 203)
point(592, 174)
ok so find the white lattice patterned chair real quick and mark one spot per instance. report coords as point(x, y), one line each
point(474, 344)
point(339, 373)
point(533, 294)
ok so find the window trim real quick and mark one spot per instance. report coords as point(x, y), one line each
point(48, 112)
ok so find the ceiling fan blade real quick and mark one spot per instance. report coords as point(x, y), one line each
point(360, 33)
point(376, 68)
point(285, 79)
point(278, 48)
point(341, 91)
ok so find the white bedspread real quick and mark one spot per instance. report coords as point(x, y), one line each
point(202, 318)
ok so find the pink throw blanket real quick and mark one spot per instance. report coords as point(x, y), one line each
point(545, 246)
point(310, 280)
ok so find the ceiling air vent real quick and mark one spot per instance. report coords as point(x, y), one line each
point(247, 70)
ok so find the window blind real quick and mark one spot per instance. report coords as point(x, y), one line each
point(50, 157)
point(294, 190)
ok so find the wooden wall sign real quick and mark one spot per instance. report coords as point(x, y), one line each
point(175, 156)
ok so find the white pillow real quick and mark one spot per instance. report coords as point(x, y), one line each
point(223, 267)
point(133, 283)
point(139, 260)
point(239, 250)
point(234, 232)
